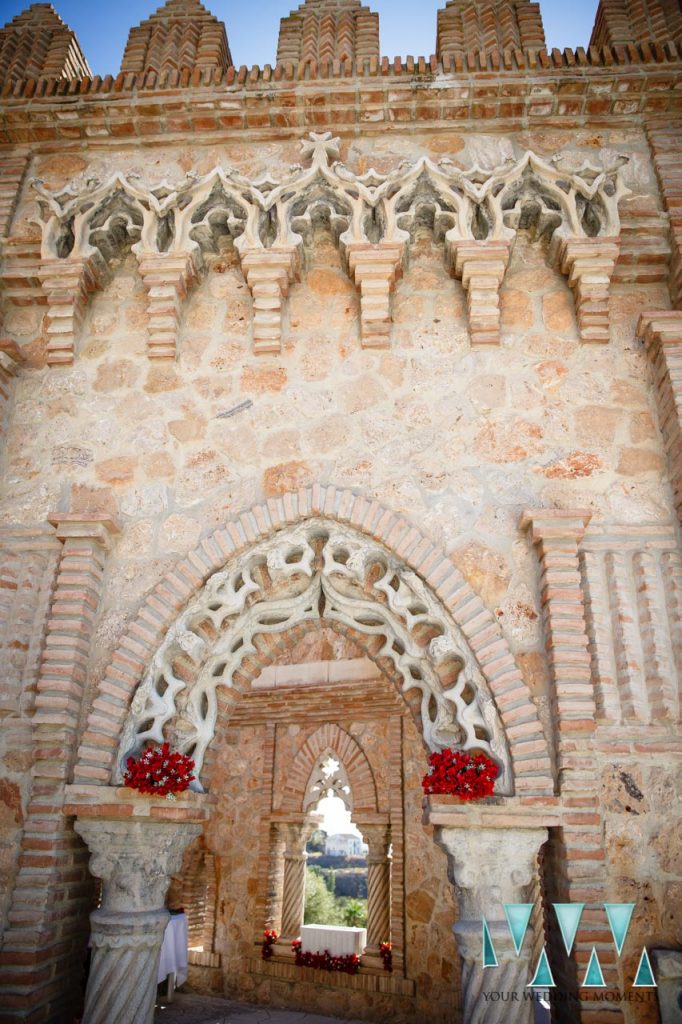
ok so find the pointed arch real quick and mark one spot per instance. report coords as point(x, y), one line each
point(331, 736)
point(426, 567)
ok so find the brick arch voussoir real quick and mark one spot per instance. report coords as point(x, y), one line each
point(360, 775)
point(527, 743)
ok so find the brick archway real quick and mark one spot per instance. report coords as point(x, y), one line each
point(360, 776)
point(369, 520)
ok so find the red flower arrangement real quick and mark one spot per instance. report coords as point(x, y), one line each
point(385, 951)
point(269, 940)
point(349, 964)
point(159, 772)
point(468, 776)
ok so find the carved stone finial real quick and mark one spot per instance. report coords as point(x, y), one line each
point(321, 148)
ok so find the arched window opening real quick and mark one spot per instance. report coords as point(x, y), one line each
point(336, 872)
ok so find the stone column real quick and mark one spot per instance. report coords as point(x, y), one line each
point(135, 860)
point(296, 836)
point(378, 839)
point(489, 867)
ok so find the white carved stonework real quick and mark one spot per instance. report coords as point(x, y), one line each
point(308, 574)
point(135, 860)
point(489, 867)
point(373, 218)
point(328, 779)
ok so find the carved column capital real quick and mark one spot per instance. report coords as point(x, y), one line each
point(489, 867)
point(135, 859)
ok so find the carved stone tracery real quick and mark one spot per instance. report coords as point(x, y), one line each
point(307, 574)
point(372, 217)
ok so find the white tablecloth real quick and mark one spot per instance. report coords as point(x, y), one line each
point(173, 958)
point(315, 938)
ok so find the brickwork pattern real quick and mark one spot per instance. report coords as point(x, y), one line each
point(180, 37)
point(324, 31)
point(624, 22)
point(469, 25)
point(668, 164)
point(38, 44)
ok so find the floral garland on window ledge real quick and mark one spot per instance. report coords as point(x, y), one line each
point(457, 773)
point(159, 772)
point(349, 964)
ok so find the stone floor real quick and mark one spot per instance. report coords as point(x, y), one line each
point(192, 1009)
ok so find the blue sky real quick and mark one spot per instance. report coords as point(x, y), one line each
point(407, 26)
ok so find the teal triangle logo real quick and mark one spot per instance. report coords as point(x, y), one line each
point(594, 976)
point(568, 915)
point(518, 916)
point(645, 976)
point(489, 957)
point(619, 915)
point(543, 975)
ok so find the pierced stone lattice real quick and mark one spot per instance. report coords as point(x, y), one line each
point(372, 217)
point(328, 779)
point(311, 573)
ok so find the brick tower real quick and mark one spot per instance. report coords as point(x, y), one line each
point(323, 30)
point(180, 35)
point(37, 44)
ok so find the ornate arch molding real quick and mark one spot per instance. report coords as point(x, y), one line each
point(303, 775)
point(470, 634)
point(476, 213)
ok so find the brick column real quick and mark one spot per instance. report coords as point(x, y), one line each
point(589, 264)
point(41, 962)
point(378, 839)
point(662, 337)
point(578, 872)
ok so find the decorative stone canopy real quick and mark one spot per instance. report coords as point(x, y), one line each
point(307, 574)
point(180, 35)
point(373, 218)
point(38, 44)
point(328, 30)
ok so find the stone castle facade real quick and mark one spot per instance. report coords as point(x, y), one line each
point(340, 414)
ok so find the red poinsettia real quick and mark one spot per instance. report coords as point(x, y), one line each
point(349, 964)
point(468, 776)
point(386, 953)
point(159, 771)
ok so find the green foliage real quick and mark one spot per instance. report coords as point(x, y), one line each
point(355, 913)
point(320, 905)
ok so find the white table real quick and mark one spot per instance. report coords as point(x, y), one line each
point(315, 938)
point(173, 958)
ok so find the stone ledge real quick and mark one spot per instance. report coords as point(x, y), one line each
point(387, 983)
point(115, 802)
point(495, 812)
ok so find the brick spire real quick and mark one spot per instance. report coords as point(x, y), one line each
point(181, 34)
point(489, 25)
point(620, 22)
point(324, 30)
point(37, 44)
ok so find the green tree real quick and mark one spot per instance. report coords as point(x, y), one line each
point(355, 913)
point(320, 905)
point(317, 841)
